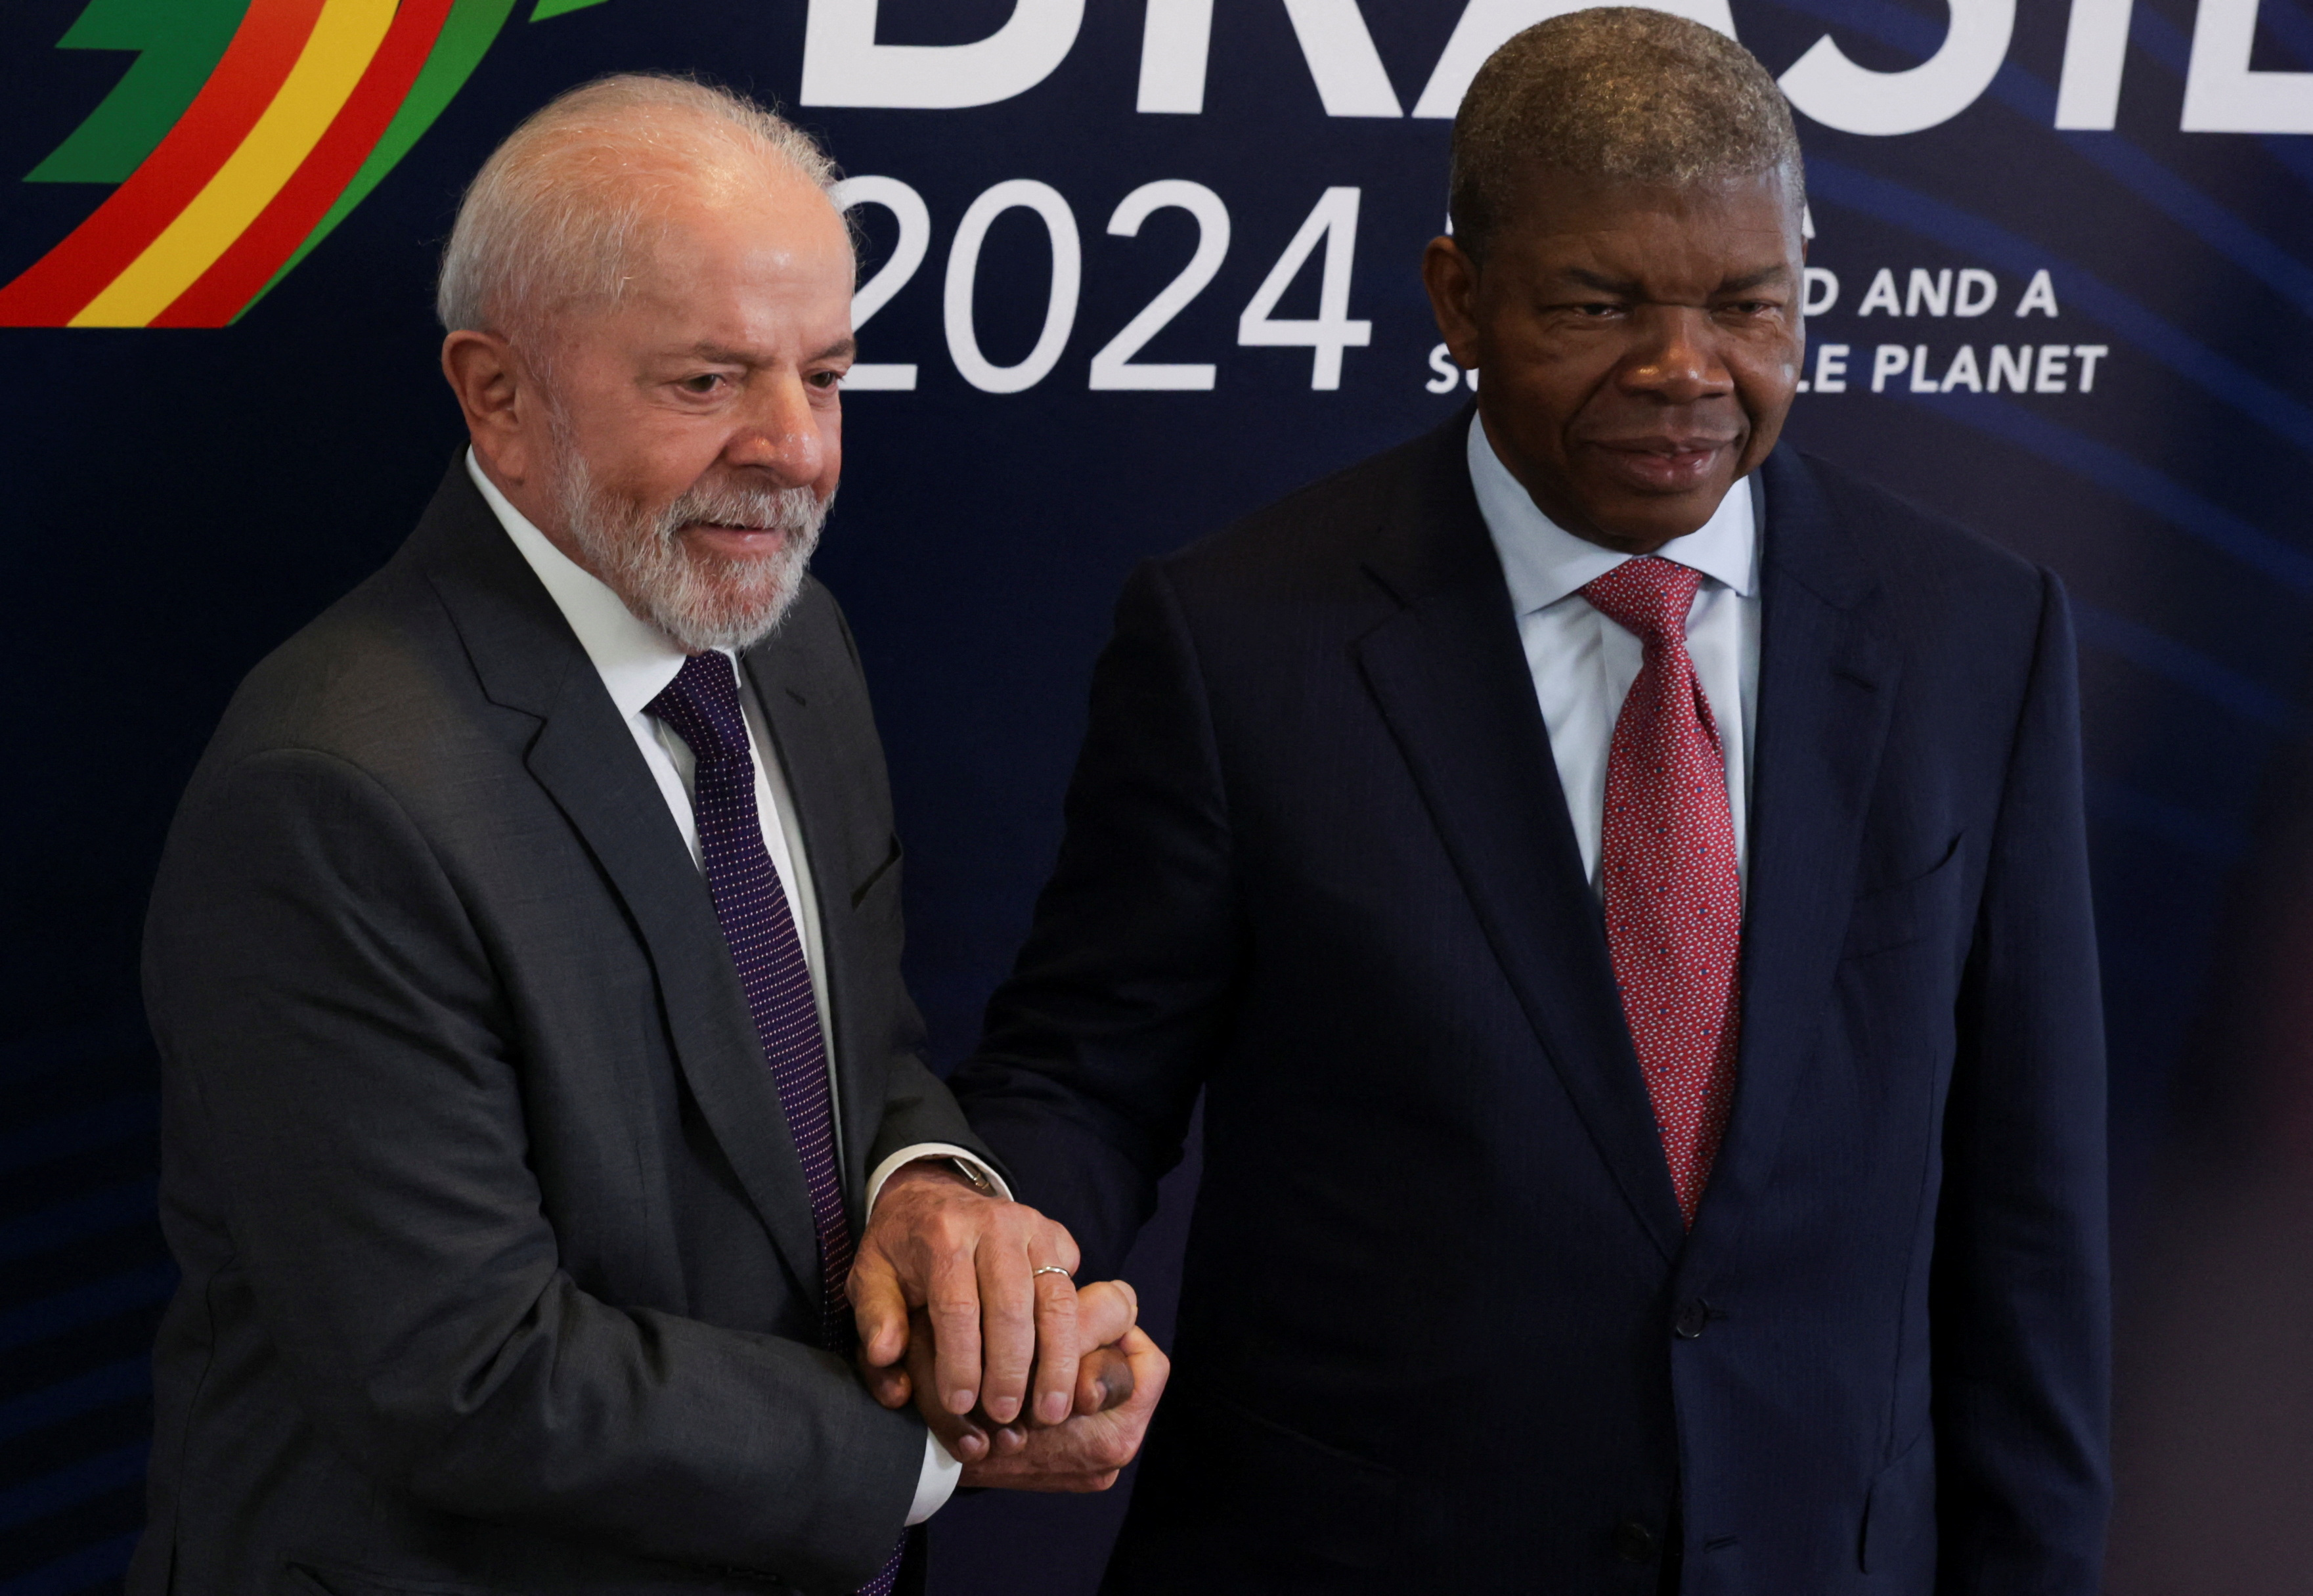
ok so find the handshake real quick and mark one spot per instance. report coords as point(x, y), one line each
point(966, 1306)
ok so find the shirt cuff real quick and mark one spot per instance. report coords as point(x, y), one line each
point(931, 1149)
point(936, 1484)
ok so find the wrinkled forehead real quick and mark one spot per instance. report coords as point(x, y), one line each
point(1553, 197)
point(782, 225)
point(1558, 212)
point(765, 261)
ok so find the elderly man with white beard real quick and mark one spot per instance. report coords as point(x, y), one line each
point(526, 967)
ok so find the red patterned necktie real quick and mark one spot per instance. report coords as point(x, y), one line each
point(702, 706)
point(1666, 867)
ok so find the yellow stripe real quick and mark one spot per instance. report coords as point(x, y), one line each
point(345, 36)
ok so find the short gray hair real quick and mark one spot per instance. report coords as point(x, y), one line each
point(560, 210)
point(1621, 93)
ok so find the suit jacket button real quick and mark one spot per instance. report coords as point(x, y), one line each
point(1634, 1542)
point(1692, 1317)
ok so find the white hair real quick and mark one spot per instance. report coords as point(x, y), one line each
point(560, 211)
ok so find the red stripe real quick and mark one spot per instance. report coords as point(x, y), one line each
point(55, 289)
point(251, 260)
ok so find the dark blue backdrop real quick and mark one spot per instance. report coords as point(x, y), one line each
point(176, 502)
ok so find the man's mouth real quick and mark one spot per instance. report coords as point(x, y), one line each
point(1664, 465)
point(734, 541)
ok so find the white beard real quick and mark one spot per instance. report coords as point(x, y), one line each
point(702, 601)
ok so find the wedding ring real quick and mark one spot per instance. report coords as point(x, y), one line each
point(1050, 1269)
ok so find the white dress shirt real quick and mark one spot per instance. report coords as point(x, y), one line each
point(1584, 664)
point(636, 661)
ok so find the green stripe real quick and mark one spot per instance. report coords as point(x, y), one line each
point(466, 37)
point(179, 43)
point(555, 8)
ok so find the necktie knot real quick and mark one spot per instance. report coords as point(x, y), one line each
point(702, 705)
point(1648, 597)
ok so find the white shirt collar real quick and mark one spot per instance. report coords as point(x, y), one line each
point(635, 659)
point(1543, 562)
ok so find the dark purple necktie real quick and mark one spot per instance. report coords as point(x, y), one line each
point(702, 705)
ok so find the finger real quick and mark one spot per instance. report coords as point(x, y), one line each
point(1007, 1474)
point(891, 1387)
point(966, 1441)
point(1104, 1380)
point(954, 1307)
point(1057, 1343)
point(879, 1308)
point(1105, 1310)
point(1063, 1245)
point(1036, 1469)
point(1010, 1440)
point(1007, 1328)
point(1150, 1370)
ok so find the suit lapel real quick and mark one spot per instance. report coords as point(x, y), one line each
point(1452, 681)
point(586, 759)
point(793, 708)
point(1827, 675)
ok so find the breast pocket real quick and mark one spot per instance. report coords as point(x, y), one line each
point(1902, 913)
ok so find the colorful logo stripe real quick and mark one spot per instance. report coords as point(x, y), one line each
point(237, 272)
point(343, 38)
point(465, 37)
point(311, 104)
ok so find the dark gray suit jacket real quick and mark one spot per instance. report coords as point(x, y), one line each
point(499, 1271)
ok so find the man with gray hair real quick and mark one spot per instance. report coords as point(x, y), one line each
point(1618, 885)
point(525, 968)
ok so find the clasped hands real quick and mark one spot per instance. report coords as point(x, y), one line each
point(1029, 1381)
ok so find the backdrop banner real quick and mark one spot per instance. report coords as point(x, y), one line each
point(1134, 268)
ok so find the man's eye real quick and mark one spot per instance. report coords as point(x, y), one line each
point(825, 379)
point(1598, 309)
point(706, 382)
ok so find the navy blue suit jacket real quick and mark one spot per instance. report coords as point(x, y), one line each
point(1440, 1323)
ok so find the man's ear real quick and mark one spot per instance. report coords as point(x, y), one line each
point(1451, 274)
point(498, 395)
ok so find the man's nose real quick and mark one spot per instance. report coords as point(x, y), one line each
point(778, 431)
point(1676, 356)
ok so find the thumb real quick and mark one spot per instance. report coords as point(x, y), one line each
point(890, 1386)
point(879, 1309)
point(1105, 1310)
point(1150, 1367)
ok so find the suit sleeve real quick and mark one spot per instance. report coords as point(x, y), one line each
point(1094, 1051)
point(2022, 1350)
point(917, 1109)
point(330, 1014)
